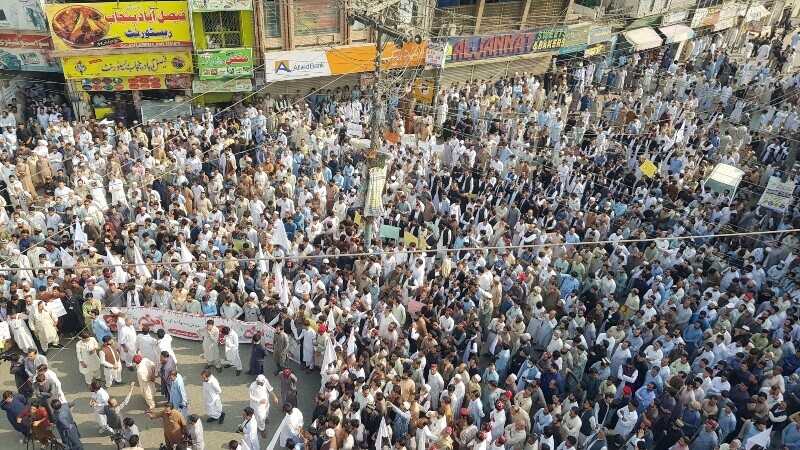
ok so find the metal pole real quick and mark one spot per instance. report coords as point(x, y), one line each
point(376, 134)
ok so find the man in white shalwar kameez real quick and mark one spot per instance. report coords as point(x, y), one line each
point(146, 374)
point(308, 339)
point(127, 343)
point(110, 360)
point(88, 362)
point(260, 391)
point(250, 430)
point(232, 349)
point(20, 331)
point(211, 398)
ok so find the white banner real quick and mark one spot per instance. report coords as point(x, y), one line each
point(355, 129)
point(185, 326)
point(778, 194)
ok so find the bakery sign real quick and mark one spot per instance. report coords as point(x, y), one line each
point(516, 43)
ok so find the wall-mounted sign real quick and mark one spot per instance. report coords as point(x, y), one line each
point(139, 83)
point(516, 43)
point(127, 65)
point(221, 5)
point(299, 64)
point(29, 52)
point(117, 25)
point(24, 15)
point(225, 63)
point(207, 86)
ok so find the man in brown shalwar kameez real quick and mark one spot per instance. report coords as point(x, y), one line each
point(174, 427)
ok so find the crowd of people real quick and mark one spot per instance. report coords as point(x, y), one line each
point(555, 294)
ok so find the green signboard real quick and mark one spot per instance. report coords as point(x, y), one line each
point(225, 63)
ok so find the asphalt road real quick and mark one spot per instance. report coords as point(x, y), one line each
point(190, 365)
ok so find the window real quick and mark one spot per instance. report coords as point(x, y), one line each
point(272, 19)
point(222, 29)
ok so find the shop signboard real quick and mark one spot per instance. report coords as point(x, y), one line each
point(673, 17)
point(704, 17)
point(600, 33)
point(225, 63)
point(138, 83)
point(119, 25)
point(127, 65)
point(220, 5)
point(594, 50)
point(514, 43)
point(235, 85)
point(300, 64)
point(28, 52)
point(22, 15)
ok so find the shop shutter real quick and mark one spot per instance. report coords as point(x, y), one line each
point(535, 66)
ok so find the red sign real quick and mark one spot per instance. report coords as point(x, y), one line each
point(28, 41)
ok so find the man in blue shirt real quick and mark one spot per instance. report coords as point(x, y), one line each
point(791, 435)
point(65, 423)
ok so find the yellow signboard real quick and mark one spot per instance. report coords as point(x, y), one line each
point(119, 25)
point(423, 91)
point(127, 65)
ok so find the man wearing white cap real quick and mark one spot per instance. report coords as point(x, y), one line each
point(260, 391)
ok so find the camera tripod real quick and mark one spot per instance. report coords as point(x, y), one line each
point(53, 444)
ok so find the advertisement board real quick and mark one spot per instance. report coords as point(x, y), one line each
point(299, 64)
point(22, 15)
point(127, 65)
point(236, 85)
point(225, 63)
point(29, 52)
point(137, 83)
point(515, 43)
point(119, 25)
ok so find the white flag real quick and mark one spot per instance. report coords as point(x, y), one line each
point(66, 259)
point(262, 260)
point(119, 275)
point(329, 357)
point(141, 268)
point(186, 258)
point(241, 284)
point(80, 238)
point(280, 238)
point(330, 322)
point(383, 434)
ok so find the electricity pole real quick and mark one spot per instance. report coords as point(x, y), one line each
point(379, 17)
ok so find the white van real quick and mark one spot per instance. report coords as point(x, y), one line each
point(723, 178)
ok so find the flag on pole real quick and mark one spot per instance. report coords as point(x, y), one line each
point(281, 285)
point(329, 356)
point(330, 322)
point(280, 238)
point(186, 257)
point(240, 285)
point(262, 260)
point(141, 268)
point(119, 275)
point(383, 435)
point(66, 259)
point(80, 238)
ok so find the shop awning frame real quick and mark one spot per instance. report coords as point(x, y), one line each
point(643, 38)
point(677, 33)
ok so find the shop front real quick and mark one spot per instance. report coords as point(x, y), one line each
point(124, 59)
point(494, 56)
point(224, 39)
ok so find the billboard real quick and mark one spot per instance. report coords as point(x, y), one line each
point(119, 25)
